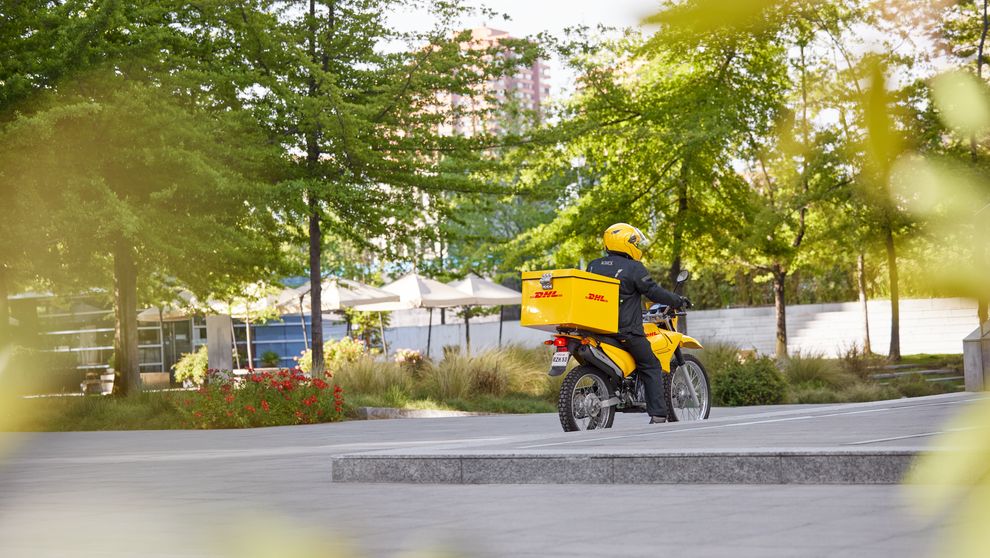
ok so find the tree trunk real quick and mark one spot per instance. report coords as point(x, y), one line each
point(467, 329)
point(895, 319)
point(779, 301)
point(315, 232)
point(861, 282)
point(5, 336)
point(316, 289)
point(125, 342)
point(677, 240)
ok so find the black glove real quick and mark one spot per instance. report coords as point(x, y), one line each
point(685, 303)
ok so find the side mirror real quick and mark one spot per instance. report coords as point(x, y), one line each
point(683, 276)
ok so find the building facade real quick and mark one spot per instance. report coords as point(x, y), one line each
point(512, 100)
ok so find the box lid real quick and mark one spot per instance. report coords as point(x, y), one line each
point(565, 273)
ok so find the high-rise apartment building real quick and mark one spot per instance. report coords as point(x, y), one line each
point(500, 103)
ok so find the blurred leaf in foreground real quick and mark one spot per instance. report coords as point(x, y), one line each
point(956, 481)
point(963, 102)
point(701, 17)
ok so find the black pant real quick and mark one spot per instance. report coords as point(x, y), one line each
point(648, 367)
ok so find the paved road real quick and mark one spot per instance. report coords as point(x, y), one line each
point(218, 493)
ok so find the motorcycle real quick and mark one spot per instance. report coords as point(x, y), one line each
point(605, 381)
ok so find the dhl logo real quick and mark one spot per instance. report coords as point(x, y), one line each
point(546, 294)
point(596, 297)
point(653, 334)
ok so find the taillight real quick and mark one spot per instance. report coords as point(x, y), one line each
point(560, 343)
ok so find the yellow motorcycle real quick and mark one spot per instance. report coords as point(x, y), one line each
point(605, 381)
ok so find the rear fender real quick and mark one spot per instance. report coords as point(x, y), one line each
point(625, 361)
point(593, 355)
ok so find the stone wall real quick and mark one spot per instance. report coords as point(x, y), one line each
point(927, 326)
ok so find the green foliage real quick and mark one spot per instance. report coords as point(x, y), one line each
point(270, 359)
point(366, 375)
point(753, 381)
point(915, 385)
point(497, 372)
point(718, 356)
point(410, 359)
point(854, 361)
point(192, 367)
point(815, 371)
point(339, 353)
point(367, 326)
point(147, 411)
point(262, 399)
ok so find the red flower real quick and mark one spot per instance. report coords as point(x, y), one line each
point(250, 408)
point(264, 405)
point(229, 399)
point(197, 414)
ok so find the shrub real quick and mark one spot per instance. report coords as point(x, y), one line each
point(754, 381)
point(814, 395)
point(410, 359)
point(270, 359)
point(263, 399)
point(861, 392)
point(191, 368)
point(915, 385)
point(853, 360)
point(335, 353)
point(717, 356)
point(815, 370)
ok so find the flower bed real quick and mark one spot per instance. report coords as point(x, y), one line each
point(262, 399)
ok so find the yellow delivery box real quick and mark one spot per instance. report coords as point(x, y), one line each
point(570, 298)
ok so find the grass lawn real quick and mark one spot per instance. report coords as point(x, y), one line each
point(161, 410)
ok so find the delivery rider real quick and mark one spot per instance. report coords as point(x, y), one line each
point(624, 246)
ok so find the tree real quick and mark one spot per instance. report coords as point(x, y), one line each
point(357, 109)
point(139, 182)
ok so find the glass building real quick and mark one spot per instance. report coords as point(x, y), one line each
point(78, 333)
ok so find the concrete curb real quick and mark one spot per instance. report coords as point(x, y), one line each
point(811, 466)
point(374, 413)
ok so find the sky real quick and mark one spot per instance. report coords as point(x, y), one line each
point(529, 17)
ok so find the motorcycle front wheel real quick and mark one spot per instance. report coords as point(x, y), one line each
point(581, 396)
point(690, 395)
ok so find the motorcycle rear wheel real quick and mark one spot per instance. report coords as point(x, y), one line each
point(581, 394)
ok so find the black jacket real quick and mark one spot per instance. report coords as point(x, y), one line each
point(634, 282)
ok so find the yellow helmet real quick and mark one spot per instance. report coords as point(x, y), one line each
point(625, 238)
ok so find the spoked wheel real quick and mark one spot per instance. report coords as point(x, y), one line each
point(690, 392)
point(581, 397)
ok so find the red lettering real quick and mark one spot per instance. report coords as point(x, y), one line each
point(596, 297)
point(546, 294)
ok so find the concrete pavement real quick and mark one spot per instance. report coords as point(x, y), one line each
point(866, 443)
point(267, 492)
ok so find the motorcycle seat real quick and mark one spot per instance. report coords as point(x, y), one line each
point(606, 340)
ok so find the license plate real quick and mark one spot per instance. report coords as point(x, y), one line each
point(559, 362)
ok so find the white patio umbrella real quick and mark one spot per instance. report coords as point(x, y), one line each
point(180, 309)
point(336, 294)
point(416, 291)
point(485, 293)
